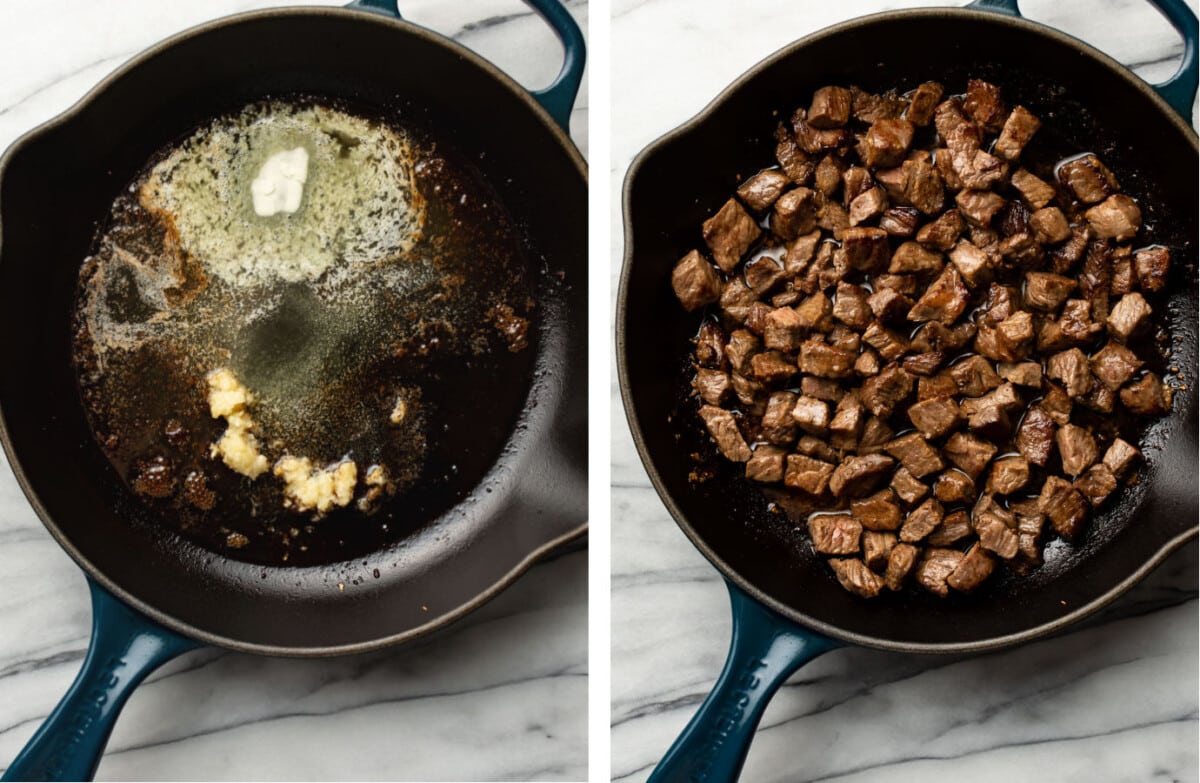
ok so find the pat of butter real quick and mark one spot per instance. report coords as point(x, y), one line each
point(279, 186)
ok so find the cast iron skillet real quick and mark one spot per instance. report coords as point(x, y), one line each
point(787, 607)
point(155, 595)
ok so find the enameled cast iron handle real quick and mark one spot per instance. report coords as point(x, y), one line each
point(125, 647)
point(765, 650)
point(1180, 90)
point(559, 97)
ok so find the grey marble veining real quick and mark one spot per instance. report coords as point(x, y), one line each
point(1113, 699)
point(500, 695)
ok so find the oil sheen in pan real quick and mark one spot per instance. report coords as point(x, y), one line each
point(410, 350)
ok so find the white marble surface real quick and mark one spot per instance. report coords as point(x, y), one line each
point(501, 695)
point(1114, 700)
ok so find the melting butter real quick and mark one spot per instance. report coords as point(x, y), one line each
point(279, 186)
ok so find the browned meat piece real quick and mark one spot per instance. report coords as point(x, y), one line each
point(800, 252)
point(783, 330)
point(815, 141)
point(883, 392)
point(828, 175)
point(1016, 333)
point(1100, 399)
point(880, 511)
point(978, 206)
point(858, 475)
point(1071, 367)
point(695, 281)
point(793, 160)
point(866, 248)
point(1151, 266)
point(711, 385)
point(724, 430)
point(847, 423)
point(921, 521)
point(729, 234)
point(944, 300)
point(942, 233)
point(830, 107)
point(920, 186)
point(1075, 325)
point(954, 486)
point(900, 564)
point(1018, 130)
point(1005, 396)
point(1114, 364)
point(974, 376)
point(1030, 521)
point(975, 169)
point(973, 264)
point(1147, 396)
point(911, 257)
point(855, 577)
point(973, 571)
point(756, 317)
point(808, 474)
point(955, 129)
point(772, 367)
point(762, 274)
point(935, 417)
point(1000, 303)
point(900, 221)
point(915, 454)
point(1064, 257)
point(907, 487)
point(1120, 457)
point(923, 364)
point(989, 420)
point(876, 435)
point(821, 388)
point(778, 427)
point(834, 534)
point(1028, 374)
point(922, 102)
point(1096, 484)
point(833, 218)
point(901, 284)
point(954, 528)
point(1088, 179)
point(892, 181)
point(816, 312)
point(795, 213)
point(1064, 505)
point(985, 104)
point(737, 299)
point(890, 344)
point(1008, 475)
point(996, 527)
point(766, 464)
point(890, 306)
point(710, 346)
point(968, 453)
point(850, 305)
point(1050, 225)
point(1117, 217)
point(817, 449)
point(761, 191)
point(751, 393)
point(825, 361)
point(1128, 316)
point(936, 568)
point(855, 180)
point(887, 142)
point(843, 337)
point(1035, 191)
point(876, 548)
point(867, 205)
point(1057, 404)
point(1045, 291)
point(811, 415)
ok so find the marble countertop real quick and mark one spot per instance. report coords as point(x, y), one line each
point(1114, 699)
point(500, 695)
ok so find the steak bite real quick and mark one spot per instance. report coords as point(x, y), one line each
point(847, 423)
point(1018, 131)
point(936, 567)
point(973, 571)
point(850, 305)
point(942, 233)
point(900, 221)
point(794, 161)
point(1117, 217)
point(968, 453)
point(883, 392)
point(795, 213)
point(890, 306)
point(1064, 506)
point(887, 142)
point(729, 234)
point(766, 464)
point(1027, 374)
point(922, 102)
point(867, 205)
point(1114, 364)
point(944, 300)
point(1096, 484)
point(783, 331)
point(778, 426)
point(907, 487)
point(921, 186)
point(724, 430)
point(772, 367)
point(858, 475)
point(954, 486)
point(825, 361)
point(1072, 369)
point(1077, 448)
point(954, 528)
point(1035, 191)
point(695, 281)
point(900, 564)
point(985, 104)
point(915, 454)
point(855, 577)
point(1008, 475)
point(711, 385)
point(1151, 266)
point(1147, 396)
point(876, 434)
point(921, 521)
point(973, 264)
point(1050, 226)
point(974, 376)
point(1046, 291)
point(834, 534)
point(830, 107)
point(975, 169)
point(876, 548)
point(880, 511)
point(1120, 457)
point(1128, 316)
point(822, 388)
point(979, 206)
point(812, 415)
point(996, 527)
point(865, 248)
point(1088, 179)
point(935, 417)
point(763, 189)
point(710, 346)
point(923, 364)
point(828, 175)
point(912, 257)
point(890, 344)
point(816, 312)
point(807, 474)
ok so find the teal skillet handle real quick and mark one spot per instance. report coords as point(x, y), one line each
point(125, 647)
point(559, 97)
point(1180, 90)
point(766, 649)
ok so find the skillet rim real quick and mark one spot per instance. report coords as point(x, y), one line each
point(1099, 58)
point(96, 93)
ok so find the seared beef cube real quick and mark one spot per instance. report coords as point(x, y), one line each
point(935, 417)
point(1000, 303)
point(737, 299)
point(867, 205)
point(795, 213)
point(817, 449)
point(890, 306)
point(973, 264)
point(915, 454)
point(1146, 396)
point(1045, 291)
point(835, 534)
point(1057, 404)
point(695, 281)
point(1114, 364)
point(936, 568)
point(876, 435)
point(855, 577)
point(850, 306)
point(974, 376)
point(1005, 396)
point(756, 318)
point(1064, 257)
point(892, 181)
point(1088, 179)
point(1096, 484)
point(1151, 266)
point(855, 180)
point(1064, 505)
point(816, 312)
point(830, 107)
point(828, 175)
point(882, 393)
point(1020, 251)
point(921, 186)
point(876, 547)
point(990, 421)
point(833, 218)
point(760, 191)
point(867, 363)
point(967, 452)
point(1074, 327)
point(1030, 521)
point(996, 527)
point(1008, 475)
point(974, 569)
point(741, 346)
point(954, 528)
point(880, 511)
point(711, 385)
point(954, 486)
point(1120, 457)
point(900, 564)
point(858, 475)
point(710, 346)
point(762, 273)
point(724, 430)
point(766, 464)
point(944, 300)
point(771, 367)
point(907, 487)
point(729, 234)
point(911, 257)
point(923, 364)
point(1095, 276)
point(955, 129)
point(975, 169)
point(921, 521)
point(812, 415)
point(1100, 399)
point(778, 426)
point(750, 392)
point(847, 423)
point(1035, 191)
point(890, 344)
point(784, 330)
point(943, 232)
point(793, 160)
point(1018, 130)
point(866, 249)
point(808, 474)
point(978, 206)
point(821, 388)
point(800, 252)
point(900, 221)
point(1017, 332)
point(1128, 315)
point(1049, 225)
point(1027, 374)
point(901, 284)
point(922, 102)
point(1117, 217)
point(825, 361)
point(985, 105)
point(887, 142)
point(814, 140)
point(1071, 367)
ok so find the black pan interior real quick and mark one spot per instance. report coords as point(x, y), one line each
point(60, 183)
point(1082, 99)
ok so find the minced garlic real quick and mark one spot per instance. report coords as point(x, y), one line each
point(321, 489)
point(237, 448)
